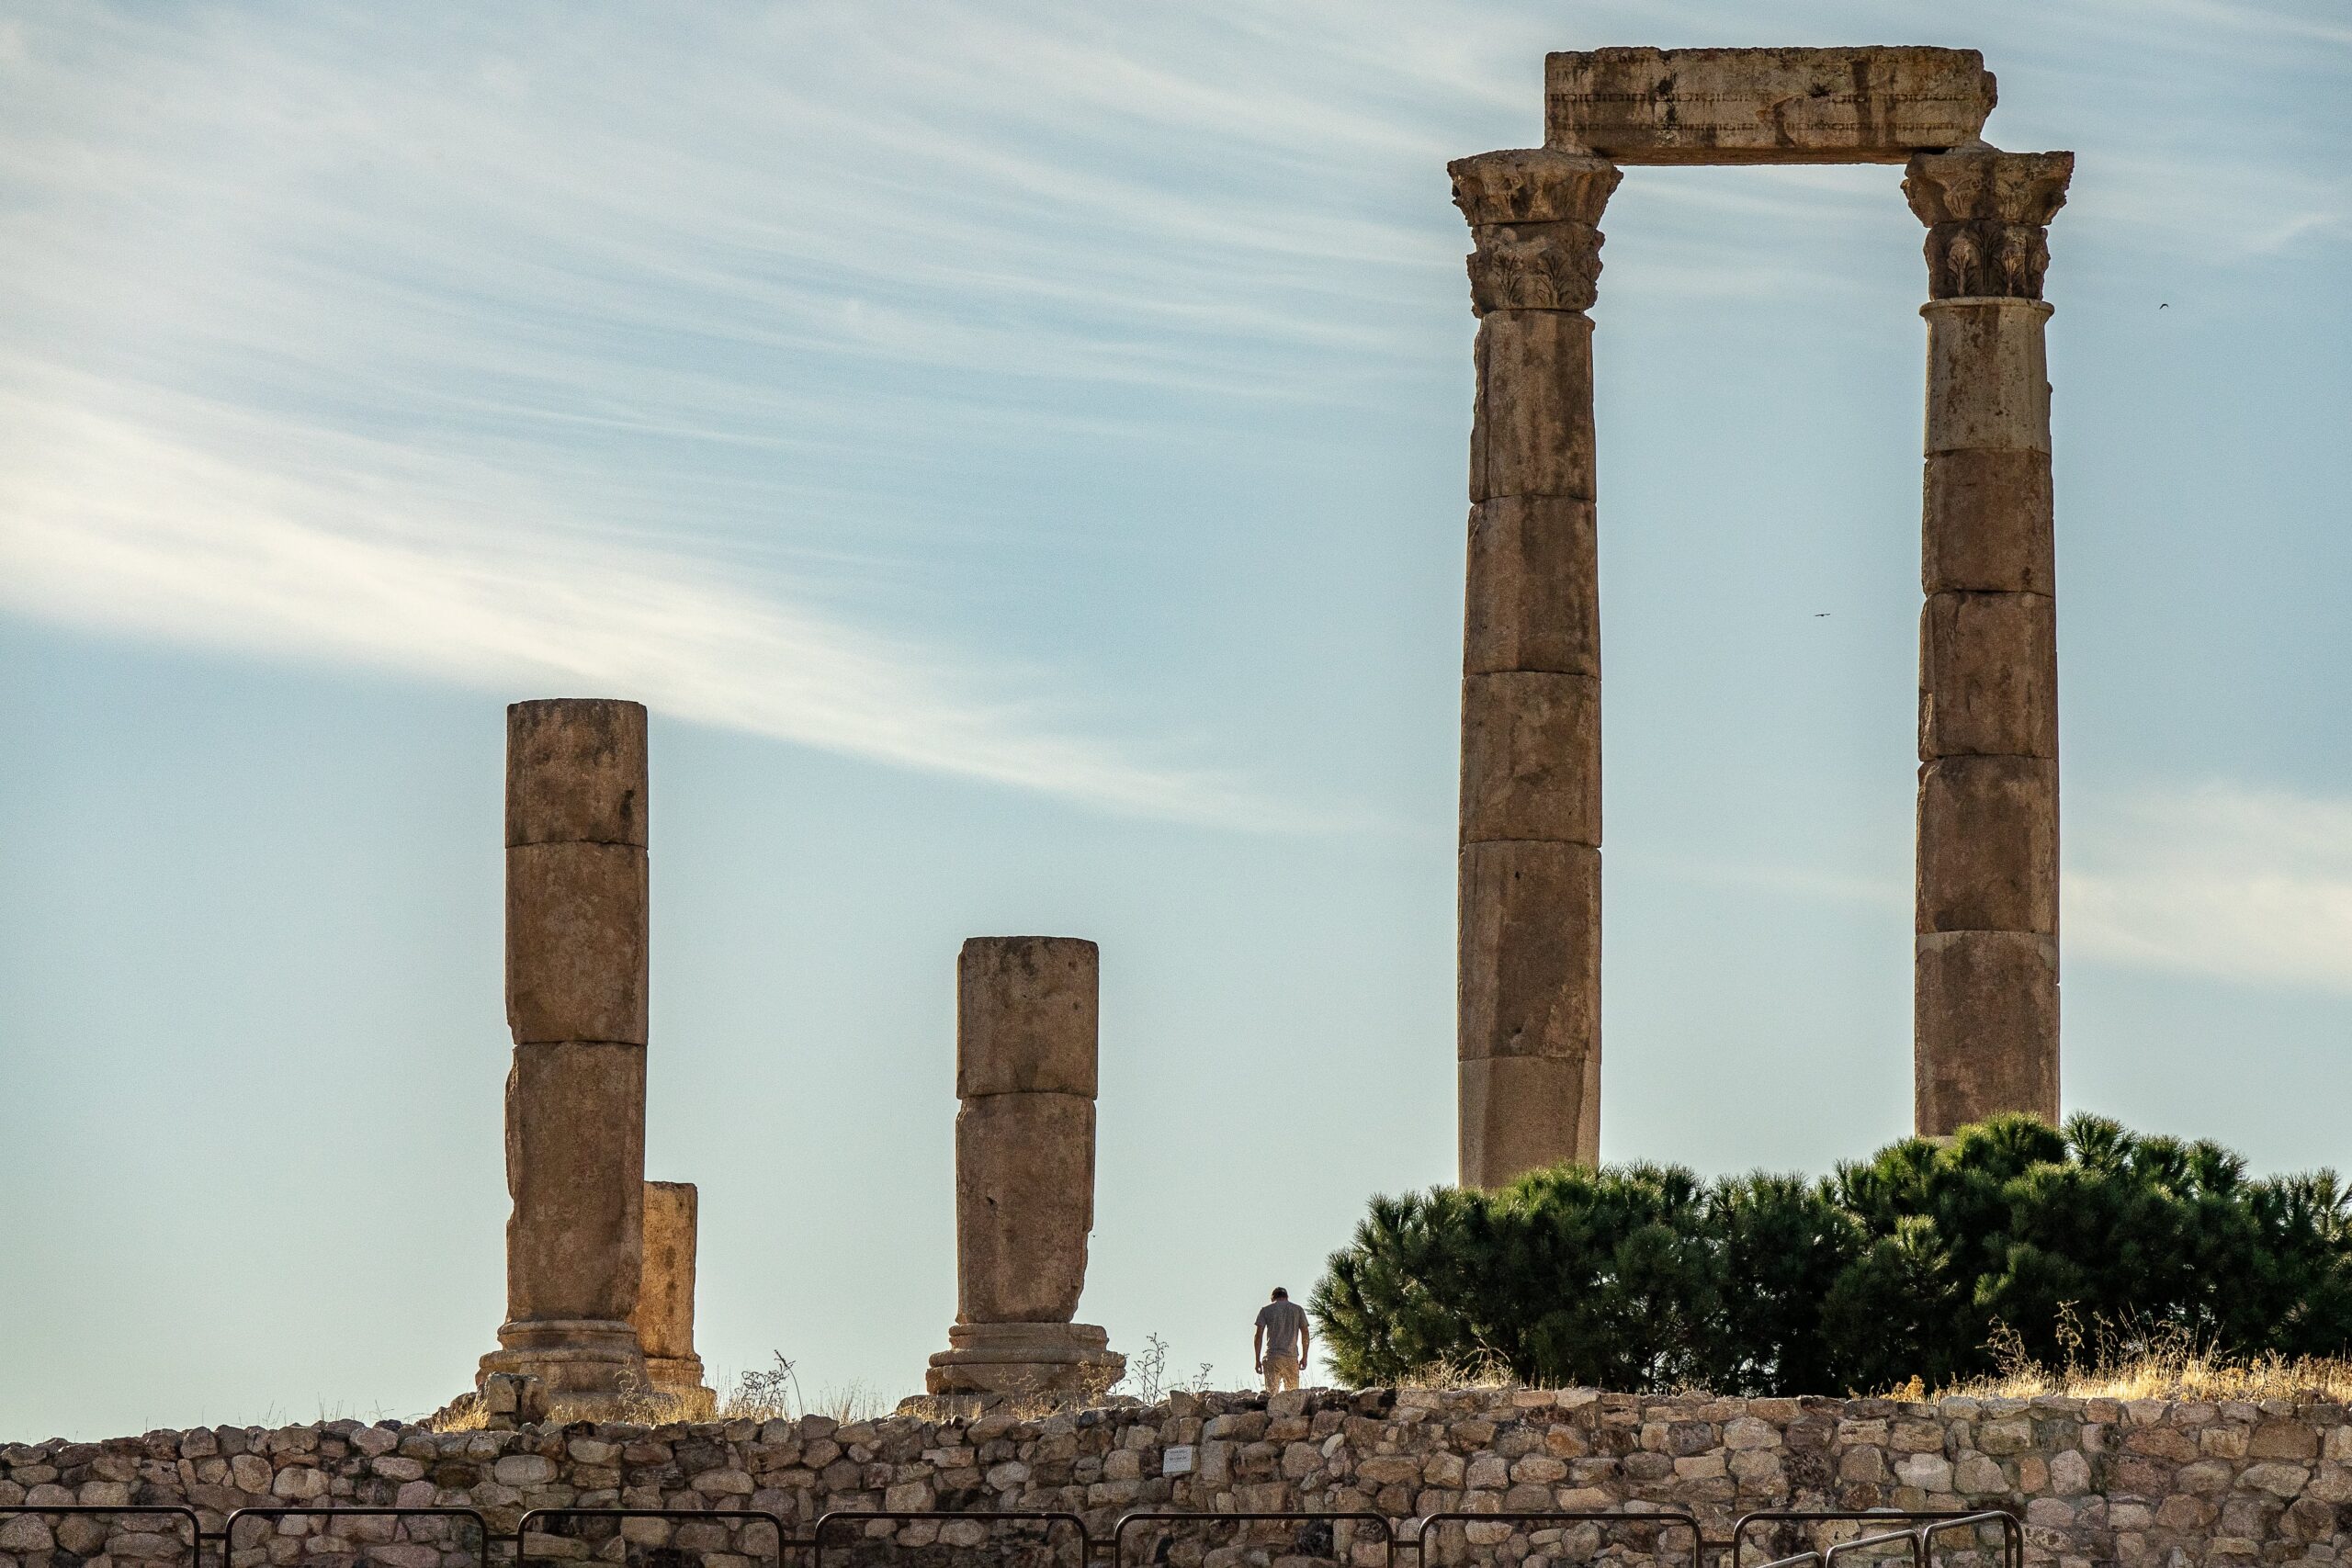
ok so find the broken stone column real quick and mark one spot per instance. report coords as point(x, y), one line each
point(576, 951)
point(1025, 1054)
point(665, 1318)
point(1528, 970)
point(1985, 968)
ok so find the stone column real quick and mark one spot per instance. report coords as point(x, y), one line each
point(1527, 969)
point(1025, 1052)
point(665, 1318)
point(1985, 968)
point(575, 1001)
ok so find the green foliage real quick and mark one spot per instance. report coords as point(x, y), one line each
point(1911, 1263)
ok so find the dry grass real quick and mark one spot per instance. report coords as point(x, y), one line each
point(1484, 1370)
point(2128, 1362)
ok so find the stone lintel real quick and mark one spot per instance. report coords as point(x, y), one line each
point(1867, 105)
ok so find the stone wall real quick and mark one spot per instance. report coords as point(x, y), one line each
point(2096, 1481)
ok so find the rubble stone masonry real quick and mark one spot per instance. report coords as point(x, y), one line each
point(2095, 1480)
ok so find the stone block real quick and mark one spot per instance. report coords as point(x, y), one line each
point(575, 1167)
point(1988, 382)
point(1986, 1028)
point(1027, 1016)
point(1868, 105)
point(664, 1314)
point(1529, 974)
point(1988, 845)
point(1532, 430)
point(1988, 675)
point(1018, 1359)
point(1025, 1202)
point(575, 773)
point(1533, 599)
point(576, 942)
point(1531, 758)
point(1987, 523)
point(1518, 1113)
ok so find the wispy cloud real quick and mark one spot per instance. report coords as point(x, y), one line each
point(293, 292)
point(2244, 884)
point(2222, 880)
point(117, 526)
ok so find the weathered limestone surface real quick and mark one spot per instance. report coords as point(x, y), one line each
point(1985, 975)
point(2144, 1484)
point(1529, 961)
point(1493, 1090)
point(1536, 561)
point(665, 1318)
point(1027, 1016)
point(576, 983)
point(1872, 104)
point(1027, 1056)
point(1025, 1204)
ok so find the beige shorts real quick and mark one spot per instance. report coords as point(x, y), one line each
point(1282, 1373)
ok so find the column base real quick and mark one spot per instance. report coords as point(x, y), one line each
point(678, 1376)
point(579, 1361)
point(1024, 1358)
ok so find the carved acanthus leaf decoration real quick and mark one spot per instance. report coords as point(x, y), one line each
point(1988, 213)
point(1535, 266)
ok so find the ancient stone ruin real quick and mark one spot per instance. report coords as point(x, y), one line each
point(1985, 966)
point(576, 977)
point(1026, 1011)
point(665, 1318)
point(599, 1261)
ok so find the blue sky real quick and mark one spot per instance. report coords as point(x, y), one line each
point(1017, 453)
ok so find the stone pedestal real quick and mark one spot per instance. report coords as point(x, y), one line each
point(1985, 968)
point(1528, 971)
point(665, 1318)
point(576, 974)
point(1015, 1358)
point(1025, 1056)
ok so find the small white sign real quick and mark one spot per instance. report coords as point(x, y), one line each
point(1176, 1460)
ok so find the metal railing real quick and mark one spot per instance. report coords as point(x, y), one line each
point(228, 1537)
point(784, 1542)
point(1922, 1526)
point(1918, 1531)
point(841, 1517)
point(1663, 1518)
point(1188, 1515)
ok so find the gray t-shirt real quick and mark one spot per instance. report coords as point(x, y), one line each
point(1285, 1323)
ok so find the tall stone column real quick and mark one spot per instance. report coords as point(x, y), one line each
point(665, 1318)
point(576, 973)
point(1985, 965)
point(1528, 970)
point(1025, 1053)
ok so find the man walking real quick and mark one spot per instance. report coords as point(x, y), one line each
point(1280, 1344)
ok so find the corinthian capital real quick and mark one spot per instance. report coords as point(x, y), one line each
point(1532, 214)
point(1986, 213)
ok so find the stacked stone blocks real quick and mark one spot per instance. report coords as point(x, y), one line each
point(2146, 1484)
point(1027, 1044)
point(1529, 923)
point(577, 944)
